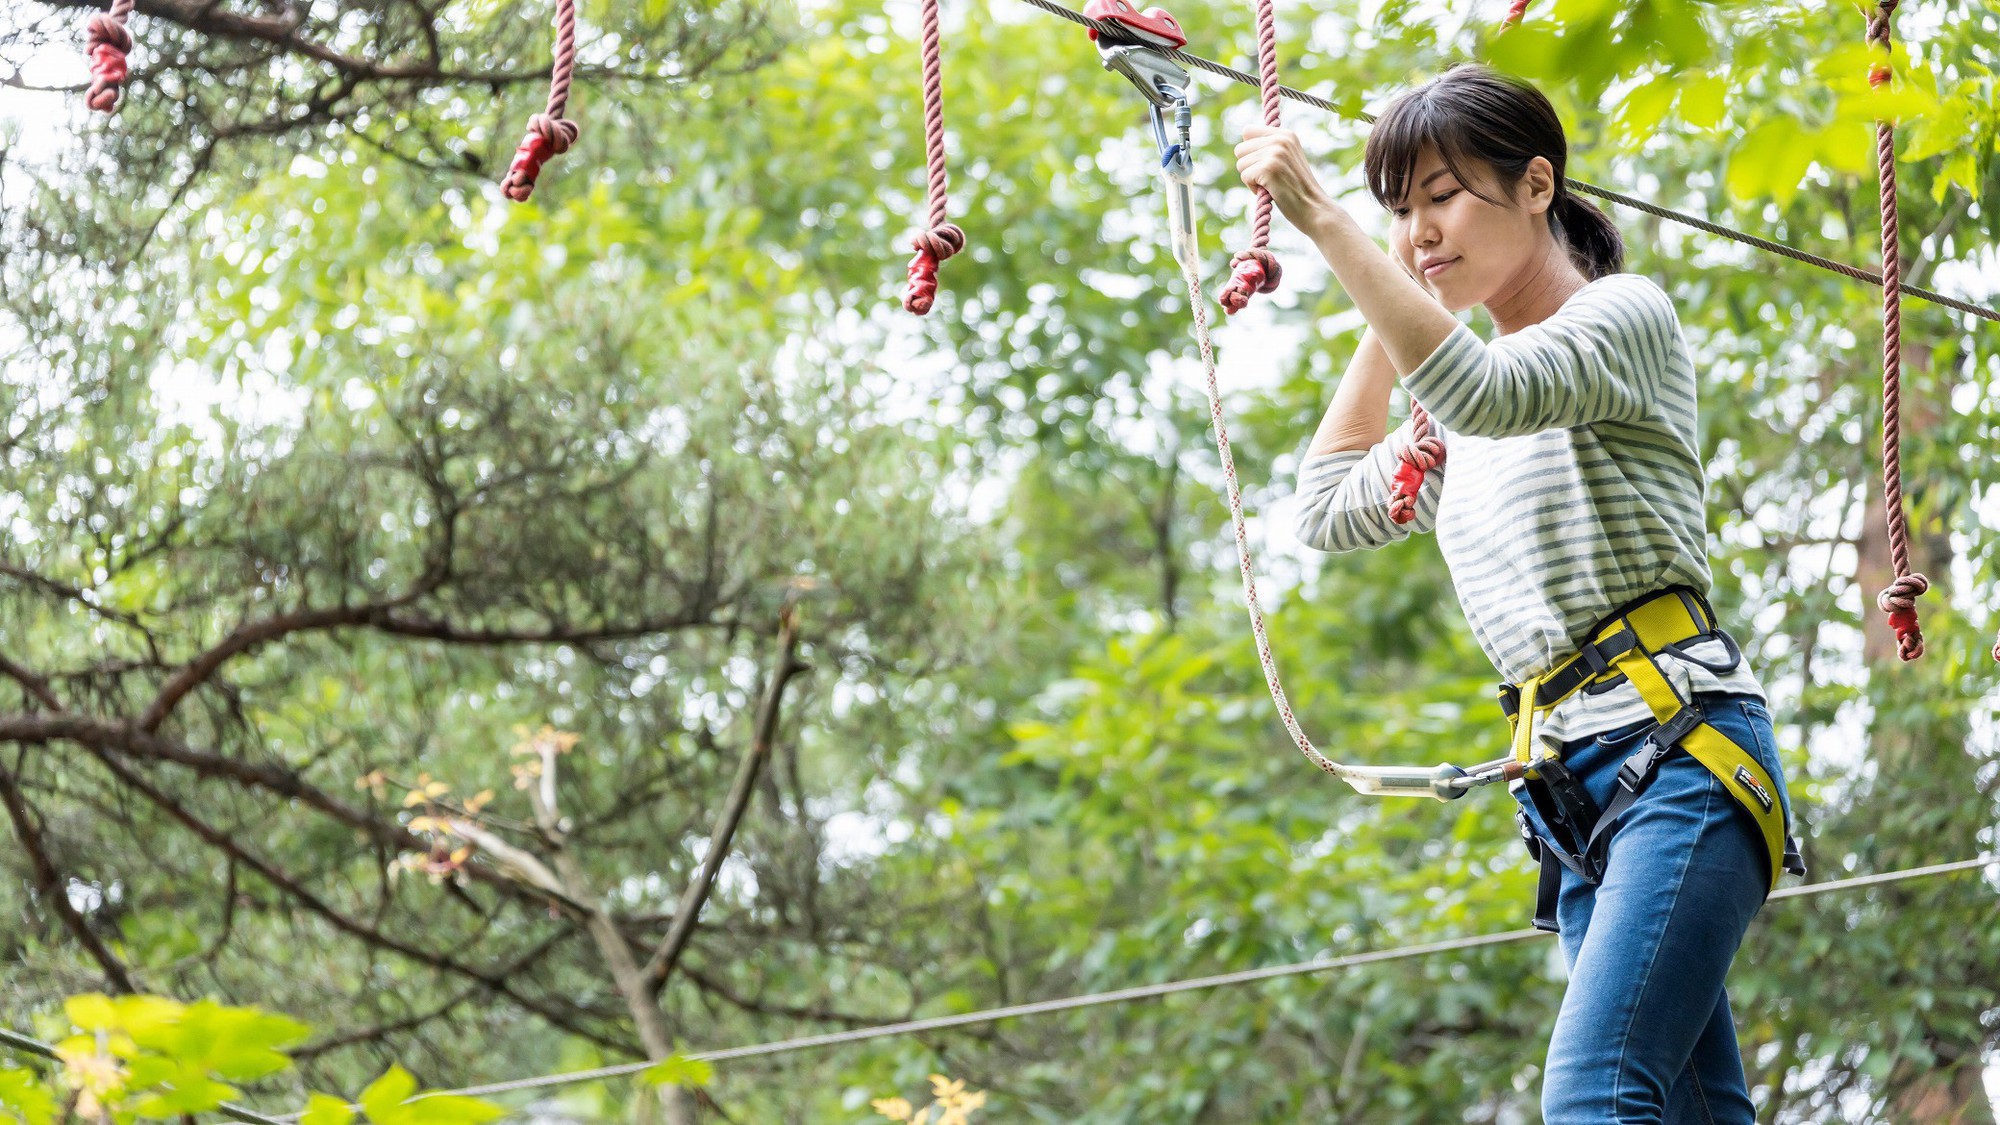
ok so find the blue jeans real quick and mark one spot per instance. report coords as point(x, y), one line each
point(1644, 1033)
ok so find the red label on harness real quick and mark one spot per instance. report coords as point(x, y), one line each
point(1749, 781)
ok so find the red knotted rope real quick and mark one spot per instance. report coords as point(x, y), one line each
point(1257, 269)
point(107, 43)
point(943, 239)
point(549, 134)
point(1899, 598)
point(1424, 453)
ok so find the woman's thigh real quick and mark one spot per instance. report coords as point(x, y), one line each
point(1650, 945)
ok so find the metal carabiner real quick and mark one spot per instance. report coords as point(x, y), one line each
point(1165, 85)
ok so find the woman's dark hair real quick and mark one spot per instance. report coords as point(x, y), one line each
point(1473, 113)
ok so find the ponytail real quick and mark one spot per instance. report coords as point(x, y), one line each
point(1593, 243)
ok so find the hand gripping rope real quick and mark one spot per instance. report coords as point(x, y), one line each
point(1256, 269)
point(549, 133)
point(1899, 599)
point(107, 44)
point(1136, 49)
point(942, 239)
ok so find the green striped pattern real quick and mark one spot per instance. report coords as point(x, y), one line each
point(1572, 484)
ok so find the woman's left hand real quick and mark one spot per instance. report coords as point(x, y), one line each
point(1274, 160)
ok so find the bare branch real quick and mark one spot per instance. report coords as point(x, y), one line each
point(276, 779)
point(496, 981)
point(283, 32)
point(54, 888)
point(512, 860)
point(383, 617)
point(661, 964)
point(36, 685)
point(412, 1022)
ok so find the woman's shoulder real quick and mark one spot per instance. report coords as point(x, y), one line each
point(1622, 304)
point(1626, 289)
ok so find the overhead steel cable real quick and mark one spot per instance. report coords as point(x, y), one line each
point(1152, 991)
point(1619, 198)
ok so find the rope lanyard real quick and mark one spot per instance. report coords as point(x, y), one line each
point(1198, 305)
point(1257, 269)
point(550, 134)
point(1899, 598)
point(107, 41)
point(943, 239)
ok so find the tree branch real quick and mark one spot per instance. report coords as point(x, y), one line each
point(54, 887)
point(276, 779)
point(661, 964)
point(412, 1022)
point(497, 981)
point(282, 32)
point(383, 617)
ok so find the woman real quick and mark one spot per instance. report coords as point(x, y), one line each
point(1572, 492)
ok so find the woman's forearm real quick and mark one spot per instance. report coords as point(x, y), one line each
point(1408, 321)
point(1359, 414)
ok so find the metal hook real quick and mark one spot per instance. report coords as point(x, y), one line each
point(1165, 85)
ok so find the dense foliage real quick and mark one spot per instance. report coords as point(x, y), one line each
point(416, 609)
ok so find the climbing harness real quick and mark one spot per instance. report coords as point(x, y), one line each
point(1624, 648)
point(944, 238)
point(550, 134)
point(107, 43)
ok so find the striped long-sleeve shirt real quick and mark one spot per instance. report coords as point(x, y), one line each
point(1572, 484)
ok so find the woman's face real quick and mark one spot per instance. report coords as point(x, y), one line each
point(1460, 247)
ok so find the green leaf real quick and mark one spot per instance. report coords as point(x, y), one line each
point(92, 1011)
point(1704, 100)
point(1960, 169)
point(325, 1109)
point(678, 1070)
point(386, 1094)
point(1770, 161)
point(1640, 113)
point(23, 1095)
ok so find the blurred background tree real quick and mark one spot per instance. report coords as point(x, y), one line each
point(331, 478)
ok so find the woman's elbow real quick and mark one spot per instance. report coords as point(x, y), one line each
point(1336, 532)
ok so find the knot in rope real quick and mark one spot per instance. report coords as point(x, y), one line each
point(1257, 271)
point(1419, 457)
point(933, 246)
point(548, 136)
point(944, 238)
point(1899, 601)
point(108, 44)
point(549, 133)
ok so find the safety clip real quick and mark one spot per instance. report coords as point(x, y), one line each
point(1135, 44)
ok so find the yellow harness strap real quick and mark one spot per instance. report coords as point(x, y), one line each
point(1658, 622)
point(1732, 765)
